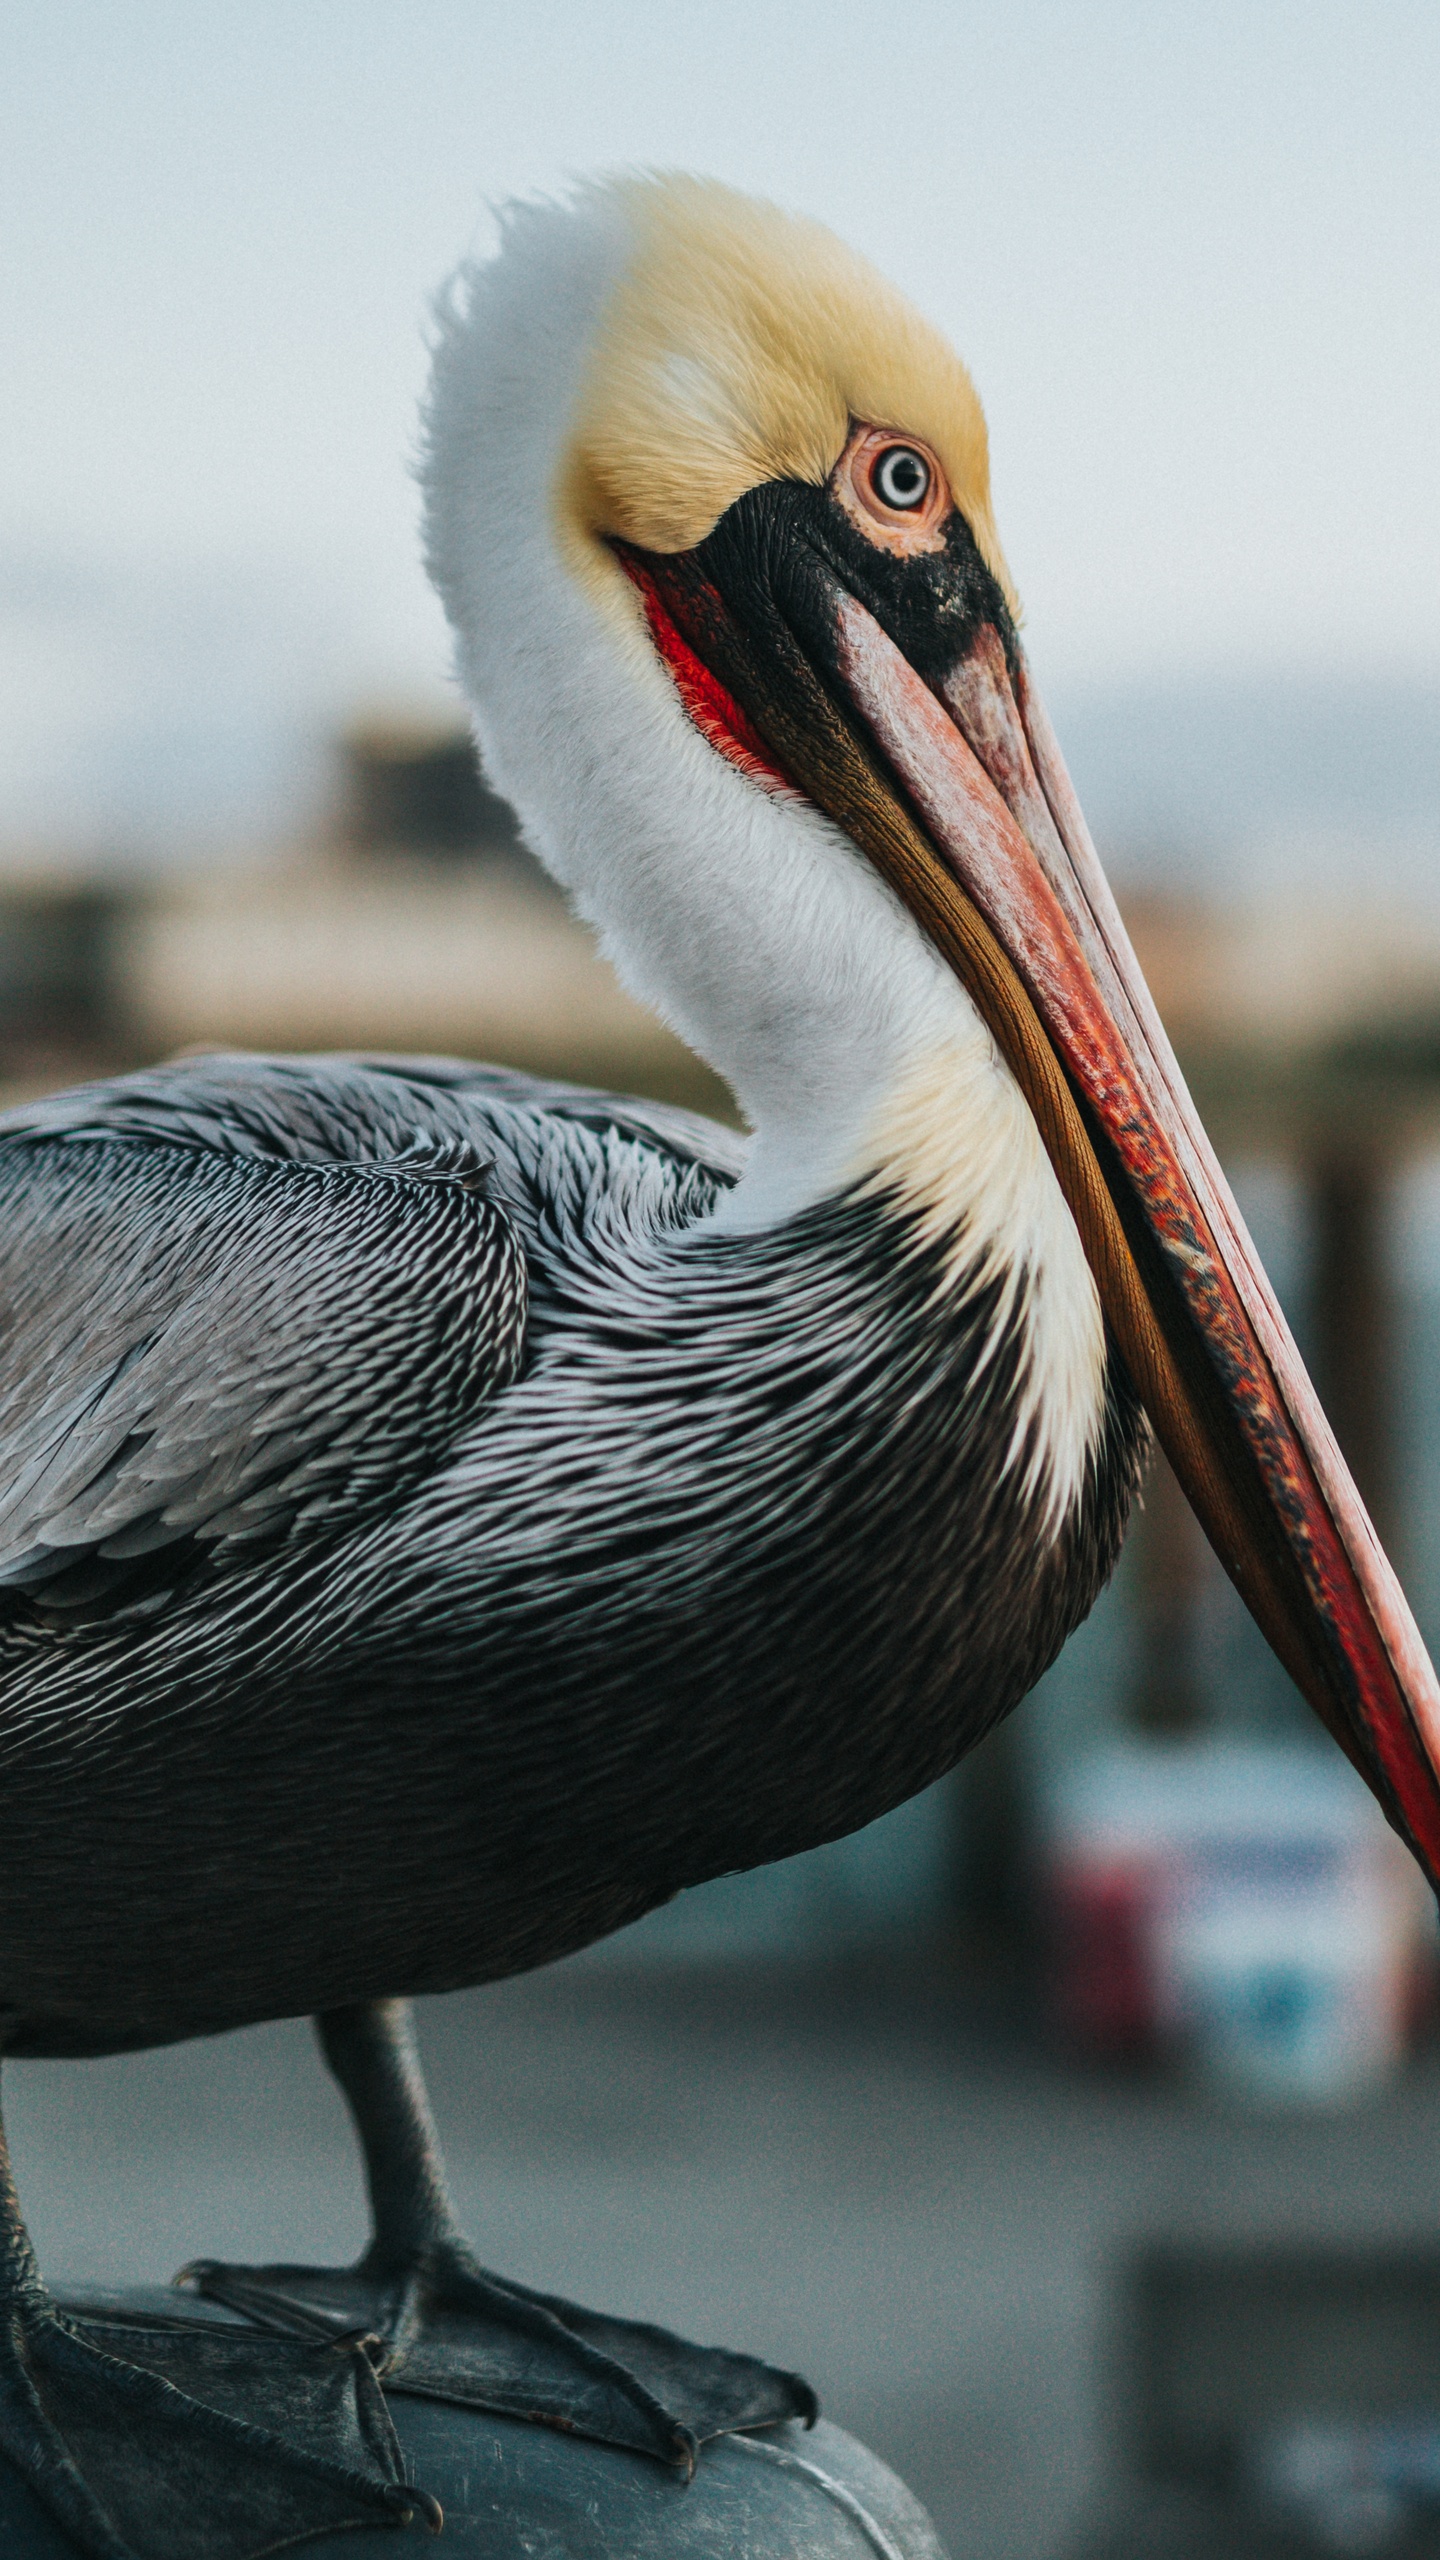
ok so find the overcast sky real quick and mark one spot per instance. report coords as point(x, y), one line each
point(1189, 252)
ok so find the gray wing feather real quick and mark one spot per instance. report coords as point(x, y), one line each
point(209, 1342)
point(361, 1110)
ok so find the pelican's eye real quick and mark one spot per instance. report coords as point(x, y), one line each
point(894, 488)
point(900, 478)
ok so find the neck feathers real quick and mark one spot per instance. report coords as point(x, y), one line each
point(953, 1144)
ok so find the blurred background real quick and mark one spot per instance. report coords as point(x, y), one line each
point(1018, 2119)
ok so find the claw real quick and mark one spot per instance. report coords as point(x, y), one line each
point(409, 2502)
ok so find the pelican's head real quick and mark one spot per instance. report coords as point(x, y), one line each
point(709, 506)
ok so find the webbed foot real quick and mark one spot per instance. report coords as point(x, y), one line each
point(149, 2439)
point(452, 2331)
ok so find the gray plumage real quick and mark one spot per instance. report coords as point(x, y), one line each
point(425, 1547)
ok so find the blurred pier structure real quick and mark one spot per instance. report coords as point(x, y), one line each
point(414, 919)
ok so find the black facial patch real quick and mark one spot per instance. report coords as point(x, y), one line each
point(775, 546)
point(761, 604)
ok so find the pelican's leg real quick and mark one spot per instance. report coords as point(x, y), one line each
point(372, 2052)
point(453, 2331)
point(153, 2439)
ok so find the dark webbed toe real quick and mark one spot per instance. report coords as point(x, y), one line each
point(452, 2331)
point(149, 2439)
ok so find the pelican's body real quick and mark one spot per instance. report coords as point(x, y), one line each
point(441, 1516)
point(731, 1540)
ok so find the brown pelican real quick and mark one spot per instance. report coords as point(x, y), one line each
point(445, 1514)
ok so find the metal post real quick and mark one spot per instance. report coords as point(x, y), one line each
point(1170, 1563)
point(1352, 1319)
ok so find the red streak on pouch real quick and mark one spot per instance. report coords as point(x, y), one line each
point(716, 714)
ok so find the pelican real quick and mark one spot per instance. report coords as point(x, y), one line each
point(444, 1514)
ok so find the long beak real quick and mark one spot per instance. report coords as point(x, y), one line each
point(956, 789)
